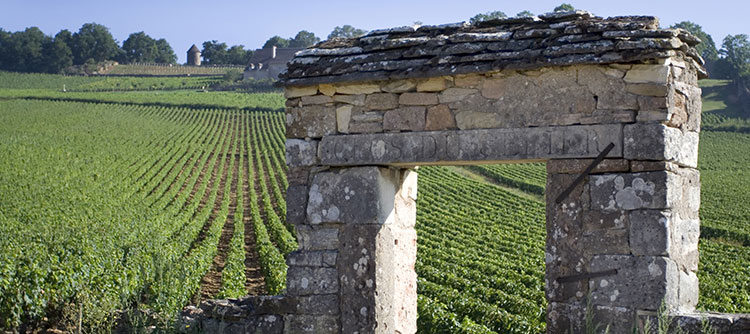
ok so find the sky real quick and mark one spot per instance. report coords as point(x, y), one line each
point(251, 23)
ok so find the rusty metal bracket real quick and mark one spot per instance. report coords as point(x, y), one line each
point(575, 278)
point(585, 173)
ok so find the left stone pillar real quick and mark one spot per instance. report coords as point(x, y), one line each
point(354, 271)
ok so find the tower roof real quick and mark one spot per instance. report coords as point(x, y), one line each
point(194, 49)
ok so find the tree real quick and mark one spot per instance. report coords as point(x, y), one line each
point(525, 13)
point(736, 51)
point(24, 50)
point(346, 31)
point(5, 44)
point(139, 48)
point(303, 39)
point(237, 55)
point(277, 41)
point(164, 52)
point(707, 48)
point(214, 53)
point(93, 41)
point(565, 7)
point(57, 53)
point(487, 16)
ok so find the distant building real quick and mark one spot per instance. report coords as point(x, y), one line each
point(194, 56)
point(268, 63)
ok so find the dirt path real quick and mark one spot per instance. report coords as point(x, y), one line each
point(219, 195)
point(211, 282)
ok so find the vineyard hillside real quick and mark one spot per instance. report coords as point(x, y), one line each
point(121, 208)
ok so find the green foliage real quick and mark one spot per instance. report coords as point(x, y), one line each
point(191, 99)
point(525, 13)
point(233, 76)
point(141, 48)
point(277, 41)
point(303, 39)
point(564, 7)
point(487, 16)
point(345, 31)
point(93, 41)
point(736, 49)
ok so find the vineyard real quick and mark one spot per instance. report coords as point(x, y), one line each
point(132, 205)
point(166, 69)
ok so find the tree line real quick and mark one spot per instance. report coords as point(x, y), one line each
point(31, 50)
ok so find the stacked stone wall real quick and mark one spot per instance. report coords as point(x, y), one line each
point(621, 243)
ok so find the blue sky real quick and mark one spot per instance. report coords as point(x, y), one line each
point(251, 23)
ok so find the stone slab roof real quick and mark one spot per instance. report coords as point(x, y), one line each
point(553, 39)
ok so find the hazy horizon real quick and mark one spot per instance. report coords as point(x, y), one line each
point(251, 24)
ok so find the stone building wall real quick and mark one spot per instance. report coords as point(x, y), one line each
point(622, 230)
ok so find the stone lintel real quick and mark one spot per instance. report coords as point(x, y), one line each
point(514, 144)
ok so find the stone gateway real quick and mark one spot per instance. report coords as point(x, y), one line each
point(612, 105)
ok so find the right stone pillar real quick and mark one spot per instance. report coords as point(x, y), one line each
point(624, 242)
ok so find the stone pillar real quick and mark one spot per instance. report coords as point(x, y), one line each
point(355, 266)
point(626, 238)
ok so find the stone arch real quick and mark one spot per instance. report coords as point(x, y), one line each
point(612, 105)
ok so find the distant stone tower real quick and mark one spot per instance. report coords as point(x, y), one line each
point(194, 56)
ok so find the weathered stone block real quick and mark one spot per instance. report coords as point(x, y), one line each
point(662, 143)
point(343, 117)
point(316, 99)
point(317, 238)
point(298, 175)
point(648, 89)
point(312, 258)
point(365, 127)
point(608, 88)
point(641, 282)
point(613, 319)
point(601, 220)
point(376, 273)
point(404, 119)
point(637, 166)
point(418, 99)
point(296, 201)
point(311, 324)
point(439, 117)
point(658, 74)
point(327, 89)
point(381, 101)
point(413, 148)
point(651, 232)
point(356, 100)
point(316, 304)
point(431, 85)
point(455, 94)
point(577, 166)
point(302, 281)
point(362, 195)
point(467, 120)
point(467, 80)
point(354, 89)
point(606, 241)
point(301, 152)
point(310, 122)
point(399, 86)
point(688, 295)
point(565, 318)
point(632, 191)
point(292, 91)
point(695, 322)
